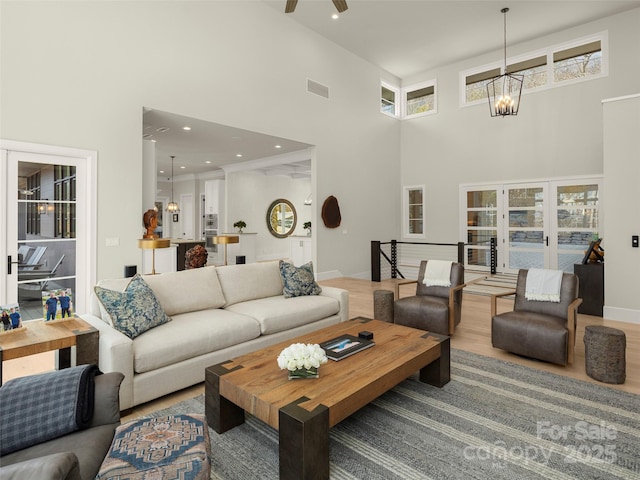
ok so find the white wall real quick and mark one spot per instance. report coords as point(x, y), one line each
point(558, 132)
point(622, 178)
point(250, 195)
point(78, 74)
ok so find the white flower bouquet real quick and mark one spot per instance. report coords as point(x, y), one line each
point(302, 360)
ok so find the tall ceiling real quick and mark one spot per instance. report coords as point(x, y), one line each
point(403, 37)
point(406, 37)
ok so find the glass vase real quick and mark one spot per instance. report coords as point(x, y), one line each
point(312, 372)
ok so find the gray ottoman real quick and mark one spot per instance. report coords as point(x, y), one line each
point(383, 305)
point(604, 353)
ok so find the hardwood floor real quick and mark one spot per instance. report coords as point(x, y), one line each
point(473, 335)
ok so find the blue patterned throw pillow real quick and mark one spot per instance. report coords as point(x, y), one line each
point(298, 281)
point(133, 311)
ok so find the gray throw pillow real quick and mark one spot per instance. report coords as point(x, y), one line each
point(298, 281)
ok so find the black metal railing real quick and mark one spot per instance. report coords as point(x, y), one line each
point(380, 257)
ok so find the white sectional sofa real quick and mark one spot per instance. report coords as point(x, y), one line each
point(217, 313)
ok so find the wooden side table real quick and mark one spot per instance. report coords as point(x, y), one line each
point(61, 335)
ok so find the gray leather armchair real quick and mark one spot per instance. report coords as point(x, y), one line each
point(538, 329)
point(75, 456)
point(434, 308)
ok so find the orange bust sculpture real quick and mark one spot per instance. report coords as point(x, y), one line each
point(150, 222)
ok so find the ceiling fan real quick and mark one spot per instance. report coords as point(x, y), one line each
point(341, 5)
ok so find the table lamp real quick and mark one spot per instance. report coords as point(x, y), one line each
point(152, 244)
point(225, 240)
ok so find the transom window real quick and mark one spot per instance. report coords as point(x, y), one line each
point(388, 99)
point(579, 60)
point(408, 102)
point(419, 99)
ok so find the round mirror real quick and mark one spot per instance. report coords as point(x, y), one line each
point(281, 218)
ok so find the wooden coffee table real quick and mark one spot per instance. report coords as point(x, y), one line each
point(304, 410)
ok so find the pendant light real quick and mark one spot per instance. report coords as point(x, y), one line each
point(504, 90)
point(172, 207)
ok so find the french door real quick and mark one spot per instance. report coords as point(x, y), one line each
point(535, 224)
point(526, 227)
point(48, 235)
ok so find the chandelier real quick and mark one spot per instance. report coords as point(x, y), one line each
point(172, 207)
point(504, 90)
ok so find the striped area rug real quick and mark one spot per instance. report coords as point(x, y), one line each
point(487, 284)
point(494, 420)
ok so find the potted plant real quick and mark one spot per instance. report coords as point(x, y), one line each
point(307, 227)
point(240, 224)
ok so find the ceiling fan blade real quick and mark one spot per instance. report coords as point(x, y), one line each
point(291, 6)
point(341, 5)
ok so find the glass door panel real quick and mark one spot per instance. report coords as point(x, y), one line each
point(577, 219)
point(481, 226)
point(41, 230)
point(526, 227)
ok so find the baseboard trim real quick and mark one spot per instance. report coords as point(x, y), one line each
point(621, 314)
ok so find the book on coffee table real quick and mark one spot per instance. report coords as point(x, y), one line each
point(344, 346)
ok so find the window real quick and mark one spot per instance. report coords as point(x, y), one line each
point(476, 85)
point(534, 71)
point(65, 205)
point(419, 99)
point(413, 206)
point(388, 100)
point(578, 60)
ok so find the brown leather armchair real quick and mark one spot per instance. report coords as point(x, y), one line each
point(436, 309)
point(538, 329)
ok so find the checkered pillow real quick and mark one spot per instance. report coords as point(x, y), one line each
point(134, 311)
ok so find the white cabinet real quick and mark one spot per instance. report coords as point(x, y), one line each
point(164, 259)
point(214, 198)
point(301, 250)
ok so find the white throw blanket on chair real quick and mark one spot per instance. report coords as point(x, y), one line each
point(437, 273)
point(543, 285)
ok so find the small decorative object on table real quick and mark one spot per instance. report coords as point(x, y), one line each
point(307, 227)
point(302, 360)
point(240, 224)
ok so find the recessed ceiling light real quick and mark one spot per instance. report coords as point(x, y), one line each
point(278, 146)
point(183, 167)
point(335, 16)
point(161, 171)
point(187, 128)
point(238, 155)
point(208, 161)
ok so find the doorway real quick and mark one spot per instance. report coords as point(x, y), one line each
point(49, 213)
point(541, 224)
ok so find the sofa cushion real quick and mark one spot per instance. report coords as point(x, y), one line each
point(298, 281)
point(249, 281)
point(276, 314)
point(189, 335)
point(187, 290)
point(134, 311)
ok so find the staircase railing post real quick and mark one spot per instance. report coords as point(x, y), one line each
point(494, 256)
point(375, 260)
point(394, 259)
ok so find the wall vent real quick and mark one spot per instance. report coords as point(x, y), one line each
point(317, 88)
